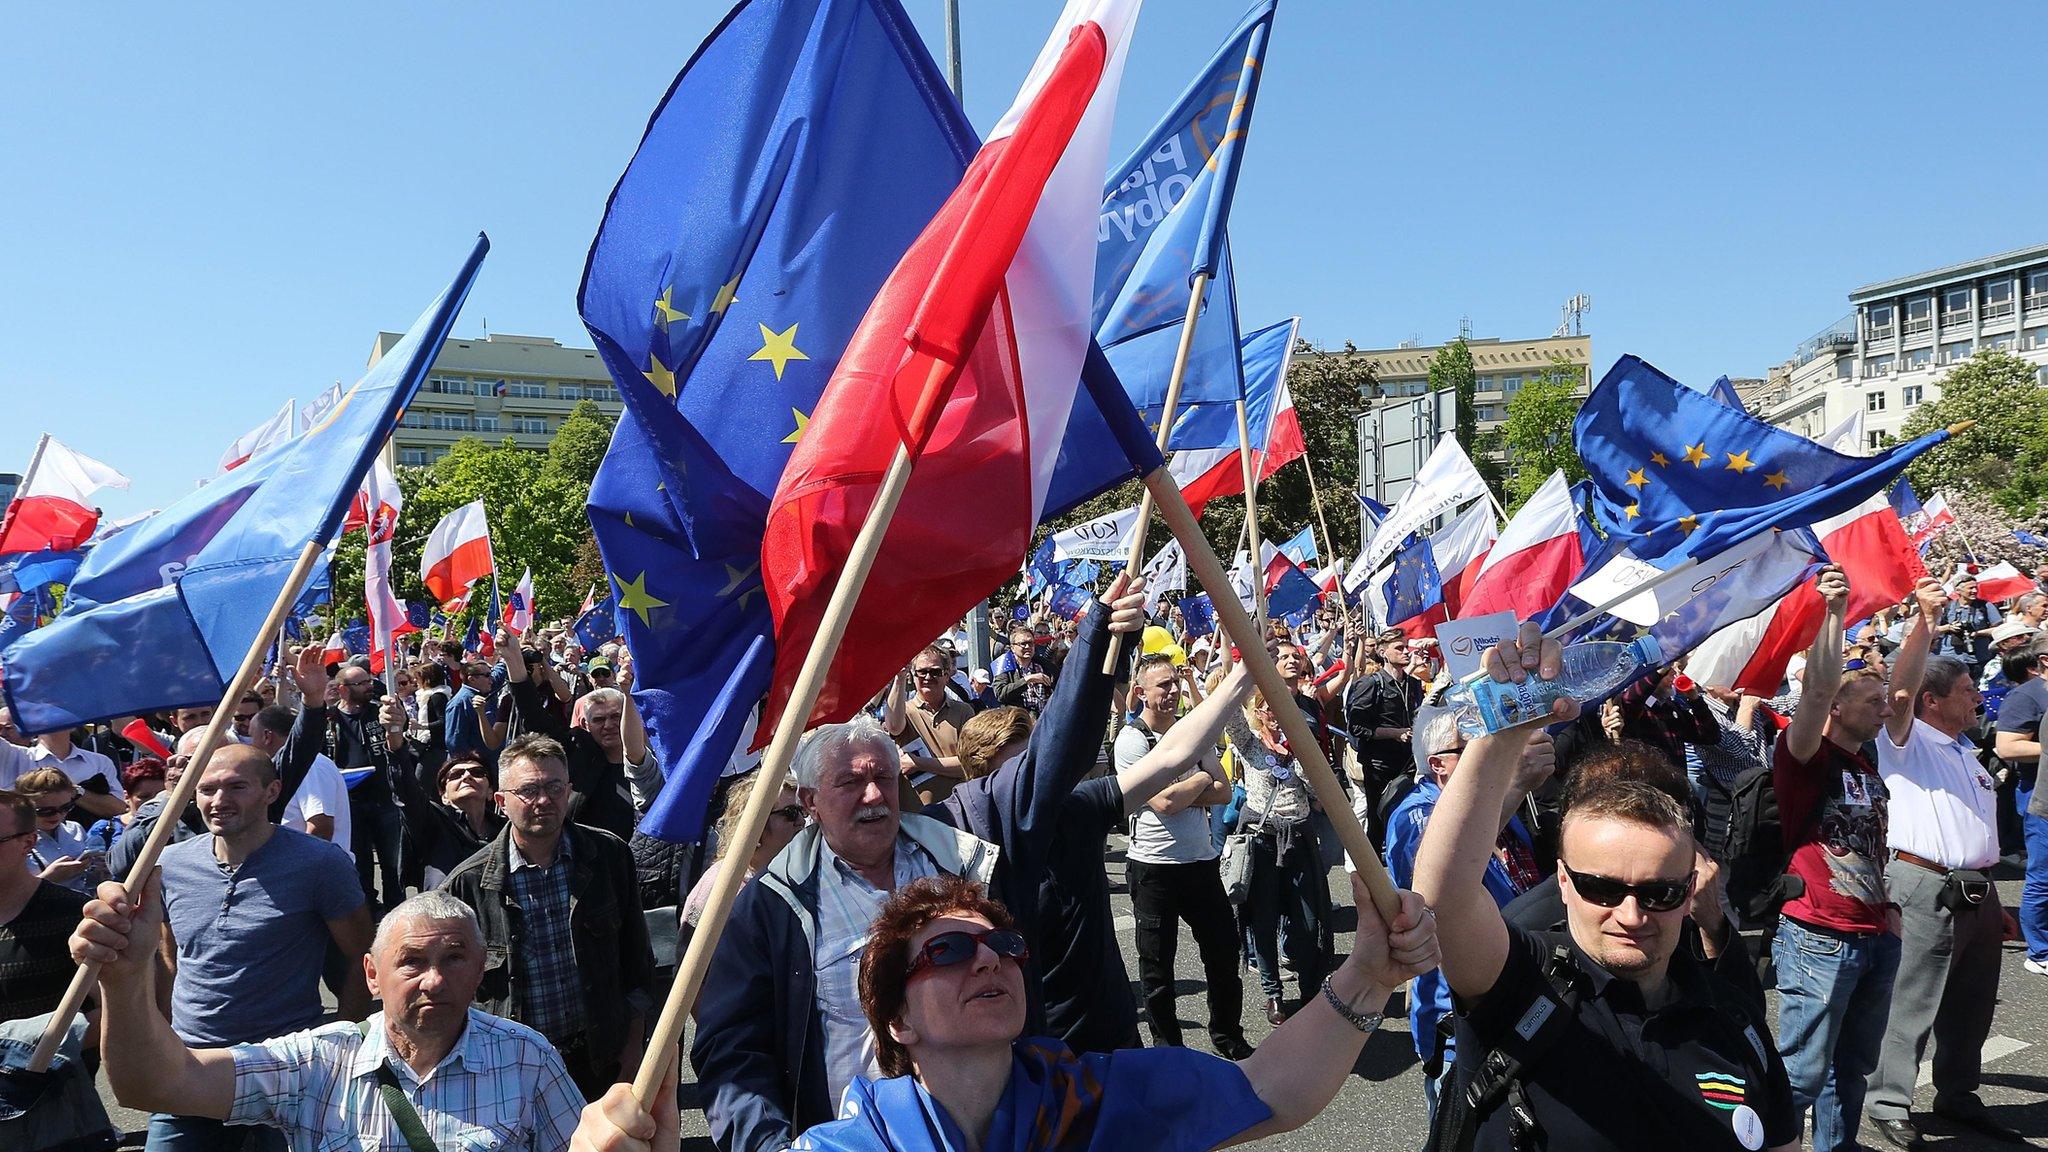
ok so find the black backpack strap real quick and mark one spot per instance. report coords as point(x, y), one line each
point(1498, 1078)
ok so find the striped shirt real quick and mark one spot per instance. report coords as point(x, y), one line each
point(847, 907)
point(548, 988)
point(500, 1088)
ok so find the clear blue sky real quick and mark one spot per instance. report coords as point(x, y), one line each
point(205, 213)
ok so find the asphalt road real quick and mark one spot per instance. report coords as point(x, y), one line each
point(1381, 1108)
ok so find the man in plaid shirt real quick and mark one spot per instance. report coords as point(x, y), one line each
point(475, 1082)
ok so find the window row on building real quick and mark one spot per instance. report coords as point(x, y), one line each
point(475, 422)
point(1507, 386)
point(519, 389)
point(1958, 306)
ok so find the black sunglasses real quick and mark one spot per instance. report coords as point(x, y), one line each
point(1651, 895)
point(59, 810)
point(794, 813)
point(950, 948)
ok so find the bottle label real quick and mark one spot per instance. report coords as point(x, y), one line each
point(1503, 706)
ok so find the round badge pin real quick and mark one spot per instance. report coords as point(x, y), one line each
point(1749, 1127)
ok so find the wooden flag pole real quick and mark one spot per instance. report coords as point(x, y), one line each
point(1180, 519)
point(180, 796)
point(1251, 515)
point(1135, 559)
point(1315, 500)
point(663, 1042)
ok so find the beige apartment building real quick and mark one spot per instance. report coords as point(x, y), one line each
point(497, 387)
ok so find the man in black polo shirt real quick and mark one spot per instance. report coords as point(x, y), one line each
point(1625, 1039)
point(1380, 711)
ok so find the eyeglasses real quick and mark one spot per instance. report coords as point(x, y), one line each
point(1453, 750)
point(354, 684)
point(950, 948)
point(552, 790)
point(1651, 895)
point(18, 836)
point(794, 813)
point(59, 810)
point(243, 721)
point(928, 673)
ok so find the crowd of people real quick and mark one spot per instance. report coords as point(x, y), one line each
point(416, 910)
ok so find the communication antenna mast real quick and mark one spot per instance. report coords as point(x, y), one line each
point(1464, 328)
point(1575, 310)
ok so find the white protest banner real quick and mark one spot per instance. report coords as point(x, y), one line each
point(1464, 642)
point(1167, 571)
point(1446, 481)
point(1103, 538)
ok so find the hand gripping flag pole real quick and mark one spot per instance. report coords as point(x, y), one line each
point(181, 796)
point(663, 1042)
point(1134, 561)
point(1237, 623)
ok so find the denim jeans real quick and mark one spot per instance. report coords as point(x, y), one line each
point(378, 828)
point(169, 1133)
point(2034, 892)
point(1834, 995)
point(1287, 889)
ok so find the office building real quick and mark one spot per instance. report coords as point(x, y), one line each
point(497, 387)
point(1887, 357)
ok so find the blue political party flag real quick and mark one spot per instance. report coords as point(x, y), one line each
point(32, 589)
point(1676, 473)
point(163, 614)
point(2028, 538)
point(1415, 586)
point(1198, 613)
point(1301, 547)
point(737, 256)
point(599, 624)
point(1163, 220)
point(1374, 512)
point(1264, 356)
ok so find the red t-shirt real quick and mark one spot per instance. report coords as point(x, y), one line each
point(1832, 810)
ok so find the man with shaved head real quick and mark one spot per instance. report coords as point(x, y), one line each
point(250, 909)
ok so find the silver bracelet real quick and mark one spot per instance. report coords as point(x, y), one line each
point(1364, 1023)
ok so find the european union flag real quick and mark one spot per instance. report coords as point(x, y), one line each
point(1415, 585)
point(1163, 217)
point(2028, 538)
point(1198, 613)
point(1293, 593)
point(161, 615)
point(600, 624)
point(1069, 601)
point(1679, 474)
point(790, 165)
point(356, 638)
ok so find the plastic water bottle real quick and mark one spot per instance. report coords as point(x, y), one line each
point(1591, 670)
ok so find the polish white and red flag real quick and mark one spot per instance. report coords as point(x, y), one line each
point(1460, 551)
point(274, 431)
point(519, 605)
point(1273, 426)
point(52, 509)
point(381, 503)
point(969, 358)
point(1875, 553)
point(2002, 581)
point(1535, 559)
point(457, 555)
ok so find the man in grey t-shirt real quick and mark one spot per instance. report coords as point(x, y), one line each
point(1173, 875)
point(250, 909)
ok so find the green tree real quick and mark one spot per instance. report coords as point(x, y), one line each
point(1452, 370)
point(2004, 455)
point(1537, 431)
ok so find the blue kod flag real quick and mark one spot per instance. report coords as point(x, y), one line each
point(737, 255)
point(1163, 220)
point(162, 615)
point(1675, 473)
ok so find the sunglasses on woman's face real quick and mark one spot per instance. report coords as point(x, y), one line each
point(1651, 895)
point(56, 810)
point(950, 948)
point(794, 813)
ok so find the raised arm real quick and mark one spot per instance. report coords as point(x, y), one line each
point(534, 714)
point(1909, 663)
point(1450, 868)
point(1184, 743)
point(149, 1068)
point(1823, 669)
point(631, 727)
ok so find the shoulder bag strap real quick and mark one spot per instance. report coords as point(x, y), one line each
point(402, 1112)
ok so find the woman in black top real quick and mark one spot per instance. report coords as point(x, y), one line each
point(449, 826)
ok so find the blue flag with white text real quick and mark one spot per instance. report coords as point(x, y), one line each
point(162, 615)
point(1163, 220)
